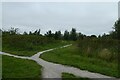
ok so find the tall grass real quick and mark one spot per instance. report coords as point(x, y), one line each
point(25, 45)
point(99, 48)
point(24, 42)
point(28, 45)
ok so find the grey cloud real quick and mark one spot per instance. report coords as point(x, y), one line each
point(89, 18)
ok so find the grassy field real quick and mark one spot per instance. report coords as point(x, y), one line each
point(71, 56)
point(25, 46)
point(35, 50)
point(20, 68)
point(68, 76)
point(29, 45)
point(94, 54)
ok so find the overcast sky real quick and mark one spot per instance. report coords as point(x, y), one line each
point(88, 17)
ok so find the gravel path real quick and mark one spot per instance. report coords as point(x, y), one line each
point(52, 70)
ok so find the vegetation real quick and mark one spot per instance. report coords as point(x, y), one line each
point(99, 48)
point(93, 53)
point(68, 76)
point(116, 33)
point(19, 68)
point(25, 45)
point(0, 66)
point(72, 57)
point(98, 54)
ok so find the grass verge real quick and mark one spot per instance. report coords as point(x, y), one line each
point(68, 76)
point(19, 68)
point(71, 56)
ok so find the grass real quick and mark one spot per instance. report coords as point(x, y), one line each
point(106, 49)
point(68, 76)
point(23, 45)
point(28, 47)
point(93, 55)
point(19, 68)
point(72, 57)
point(0, 66)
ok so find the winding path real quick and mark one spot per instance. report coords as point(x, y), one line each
point(52, 70)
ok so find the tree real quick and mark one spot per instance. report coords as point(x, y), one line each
point(0, 33)
point(13, 31)
point(66, 35)
point(80, 36)
point(73, 34)
point(117, 29)
point(5, 33)
point(99, 36)
point(25, 33)
point(49, 34)
point(30, 33)
point(38, 32)
point(104, 36)
point(93, 36)
point(58, 35)
point(35, 33)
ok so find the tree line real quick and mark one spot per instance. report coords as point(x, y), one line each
point(68, 35)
